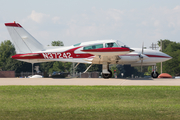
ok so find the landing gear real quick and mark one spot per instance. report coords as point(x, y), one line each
point(154, 74)
point(106, 76)
point(106, 73)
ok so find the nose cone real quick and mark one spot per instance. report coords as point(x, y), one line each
point(165, 56)
point(169, 57)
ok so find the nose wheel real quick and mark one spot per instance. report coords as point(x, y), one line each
point(154, 74)
point(106, 76)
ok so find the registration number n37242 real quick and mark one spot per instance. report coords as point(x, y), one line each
point(58, 55)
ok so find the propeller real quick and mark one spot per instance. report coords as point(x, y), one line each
point(141, 56)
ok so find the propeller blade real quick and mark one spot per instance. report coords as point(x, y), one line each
point(141, 55)
point(142, 47)
point(141, 64)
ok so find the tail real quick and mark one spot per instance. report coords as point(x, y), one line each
point(22, 40)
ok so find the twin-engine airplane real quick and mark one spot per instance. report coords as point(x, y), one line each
point(103, 52)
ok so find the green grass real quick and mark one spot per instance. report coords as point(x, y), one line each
point(89, 102)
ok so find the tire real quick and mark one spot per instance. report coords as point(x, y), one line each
point(154, 75)
point(107, 76)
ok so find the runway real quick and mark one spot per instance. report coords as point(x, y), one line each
point(89, 81)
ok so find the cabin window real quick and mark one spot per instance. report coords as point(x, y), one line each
point(93, 47)
point(112, 44)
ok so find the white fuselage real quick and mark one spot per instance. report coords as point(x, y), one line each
point(150, 57)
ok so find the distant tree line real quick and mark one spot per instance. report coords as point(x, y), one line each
point(172, 66)
point(7, 63)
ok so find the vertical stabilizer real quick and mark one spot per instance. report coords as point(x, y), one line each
point(22, 40)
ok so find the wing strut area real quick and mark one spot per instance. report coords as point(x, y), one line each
point(87, 68)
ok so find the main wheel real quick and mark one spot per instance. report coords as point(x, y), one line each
point(106, 76)
point(154, 74)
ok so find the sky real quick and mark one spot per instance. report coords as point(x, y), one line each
point(73, 21)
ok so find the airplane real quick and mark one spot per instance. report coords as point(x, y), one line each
point(104, 52)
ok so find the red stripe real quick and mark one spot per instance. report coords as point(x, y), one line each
point(13, 24)
point(129, 55)
point(113, 49)
point(40, 56)
point(28, 56)
point(158, 56)
point(53, 55)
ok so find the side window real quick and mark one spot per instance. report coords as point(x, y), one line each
point(99, 46)
point(111, 45)
point(87, 48)
point(93, 47)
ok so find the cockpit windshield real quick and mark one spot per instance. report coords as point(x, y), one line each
point(120, 44)
point(115, 44)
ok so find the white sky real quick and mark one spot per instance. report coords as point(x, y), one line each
point(73, 21)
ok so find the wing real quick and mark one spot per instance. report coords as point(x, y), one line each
point(109, 51)
point(110, 55)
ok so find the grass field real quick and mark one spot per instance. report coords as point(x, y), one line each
point(89, 102)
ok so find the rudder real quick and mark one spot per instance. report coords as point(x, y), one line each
point(22, 40)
